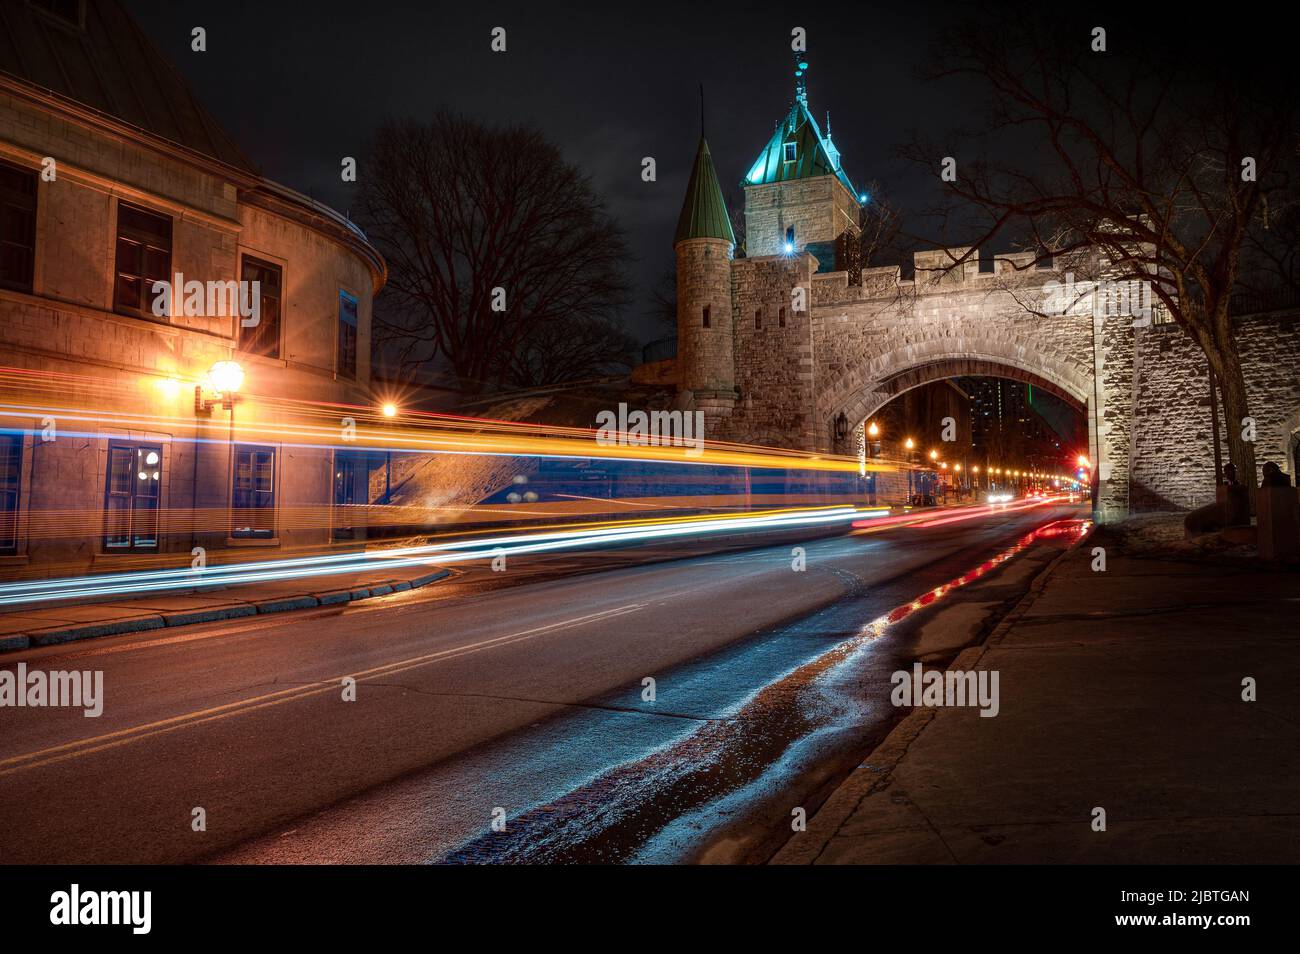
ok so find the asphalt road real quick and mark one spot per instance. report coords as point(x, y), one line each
point(472, 697)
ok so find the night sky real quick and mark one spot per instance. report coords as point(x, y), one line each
point(300, 86)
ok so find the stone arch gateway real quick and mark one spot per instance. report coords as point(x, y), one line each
point(855, 347)
point(779, 342)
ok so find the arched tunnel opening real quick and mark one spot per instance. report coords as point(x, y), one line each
point(969, 435)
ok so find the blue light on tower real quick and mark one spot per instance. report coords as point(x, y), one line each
point(789, 248)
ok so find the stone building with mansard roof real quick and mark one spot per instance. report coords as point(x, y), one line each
point(113, 177)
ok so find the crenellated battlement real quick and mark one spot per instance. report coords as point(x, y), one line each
point(940, 271)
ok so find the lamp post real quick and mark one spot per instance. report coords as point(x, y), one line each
point(221, 386)
point(389, 410)
point(910, 445)
point(873, 449)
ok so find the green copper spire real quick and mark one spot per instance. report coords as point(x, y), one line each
point(797, 149)
point(704, 213)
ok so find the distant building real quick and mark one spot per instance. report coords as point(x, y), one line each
point(1007, 427)
point(113, 178)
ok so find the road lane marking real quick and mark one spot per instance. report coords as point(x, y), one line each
point(111, 740)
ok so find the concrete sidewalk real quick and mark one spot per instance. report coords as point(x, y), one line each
point(1119, 690)
point(47, 624)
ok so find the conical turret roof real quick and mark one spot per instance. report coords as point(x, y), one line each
point(704, 212)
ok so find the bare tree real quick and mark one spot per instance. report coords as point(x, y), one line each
point(662, 306)
point(493, 244)
point(1157, 159)
point(571, 349)
point(881, 241)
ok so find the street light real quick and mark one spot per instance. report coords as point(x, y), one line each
point(909, 444)
point(226, 377)
point(389, 410)
point(873, 448)
point(224, 380)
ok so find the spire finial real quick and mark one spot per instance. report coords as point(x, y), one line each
point(828, 124)
point(801, 77)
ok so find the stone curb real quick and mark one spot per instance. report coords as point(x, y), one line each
point(53, 636)
point(805, 847)
point(185, 617)
point(67, 634)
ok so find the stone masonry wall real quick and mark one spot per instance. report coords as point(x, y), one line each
point(1109, 424)
point(774, 364)
point(704, 355)
point(1172, 434)
point(820, 209)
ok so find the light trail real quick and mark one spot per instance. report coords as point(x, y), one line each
point(430, 554)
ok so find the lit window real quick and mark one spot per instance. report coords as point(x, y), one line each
point(131, 497)
point(791, 150)
point(350, 477)
point(252, 493)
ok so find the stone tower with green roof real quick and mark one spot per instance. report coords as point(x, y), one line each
point(797, 195)
point(704, 242)
point(744, 325)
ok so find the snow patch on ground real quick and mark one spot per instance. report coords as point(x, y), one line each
point(1161, 534)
